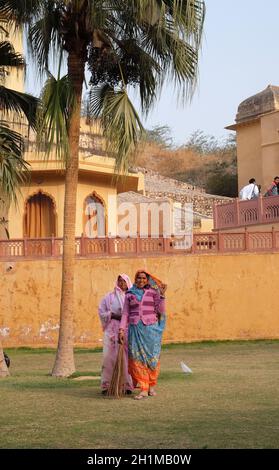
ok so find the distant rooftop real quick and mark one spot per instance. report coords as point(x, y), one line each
point(262, 103)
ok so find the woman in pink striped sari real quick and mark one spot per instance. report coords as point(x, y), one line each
point(110, 312)
point(144, 312)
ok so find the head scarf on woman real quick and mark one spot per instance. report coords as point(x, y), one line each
point(126, 278)
point(152, 281)
point(119, 292)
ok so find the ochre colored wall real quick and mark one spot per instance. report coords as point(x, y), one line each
point(54, 187)
point(206, 225)
point(208, 297)
point(249, 155)
point(270, 148)
point(257, 150)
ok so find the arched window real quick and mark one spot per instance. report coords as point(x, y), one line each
point(94, 219)
point(40, 216)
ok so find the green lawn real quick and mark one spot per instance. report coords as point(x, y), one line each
point(230, 401)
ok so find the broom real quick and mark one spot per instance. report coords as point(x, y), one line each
point(116, 388)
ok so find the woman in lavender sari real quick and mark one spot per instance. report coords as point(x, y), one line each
point(110, 312)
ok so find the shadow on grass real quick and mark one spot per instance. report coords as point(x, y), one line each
point(51, 385)
point(83, 373)
point(48, 382)
point(95, 393)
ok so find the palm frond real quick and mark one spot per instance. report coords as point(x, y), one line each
point(121, 124)
point(127, 63)
point(8, 56)
point(97, 96)
point(42, 19)
point(4, 222)
point(188, 15)
point(14, 170)
point(44, 37)
point(183, 63)
point(11, 100)
point(19, 11)
point(57, 102)
point(166, 37)
point(3, 27)
point(177, 56)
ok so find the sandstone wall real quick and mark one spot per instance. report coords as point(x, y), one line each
point(209, 297)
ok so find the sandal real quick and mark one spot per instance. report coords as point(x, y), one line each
point(152, 393)
point(140, 397)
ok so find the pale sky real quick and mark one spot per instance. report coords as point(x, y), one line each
point(239, 57)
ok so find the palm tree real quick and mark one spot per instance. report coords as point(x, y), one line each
point(13, 167)
point(138, 43)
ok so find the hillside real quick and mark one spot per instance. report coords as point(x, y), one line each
point(158, 186)
point(213, 172)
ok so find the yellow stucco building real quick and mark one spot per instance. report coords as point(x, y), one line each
point(39, 212)
point(257, 134)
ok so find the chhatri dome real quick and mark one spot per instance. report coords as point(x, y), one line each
point(257, 137)
point(262, 103)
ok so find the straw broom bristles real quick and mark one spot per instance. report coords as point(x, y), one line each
point(116, 388)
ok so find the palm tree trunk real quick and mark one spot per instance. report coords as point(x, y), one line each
point(4, 371)
point(4, 210)
point(64, 364)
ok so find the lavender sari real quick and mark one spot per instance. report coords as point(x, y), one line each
point(112, 304)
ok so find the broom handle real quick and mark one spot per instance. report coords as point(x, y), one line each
point(121, 336)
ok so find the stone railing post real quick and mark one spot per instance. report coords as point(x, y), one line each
point(165, 244)
point(215, 216)
point(237, 212)
point(273, 238)
point(261, 218)
point(82, 245)
point(52, 245)
point(138, 245)
point(246, 240)
point(220, 241)
point(25, 247)
point(110, 246)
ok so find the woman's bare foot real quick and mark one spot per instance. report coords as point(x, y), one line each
point(141, 395)
point(152, 392)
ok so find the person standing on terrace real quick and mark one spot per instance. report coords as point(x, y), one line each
point(273, 190)
point(250, 191)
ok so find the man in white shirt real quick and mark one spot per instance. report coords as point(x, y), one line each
point(250, 191)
